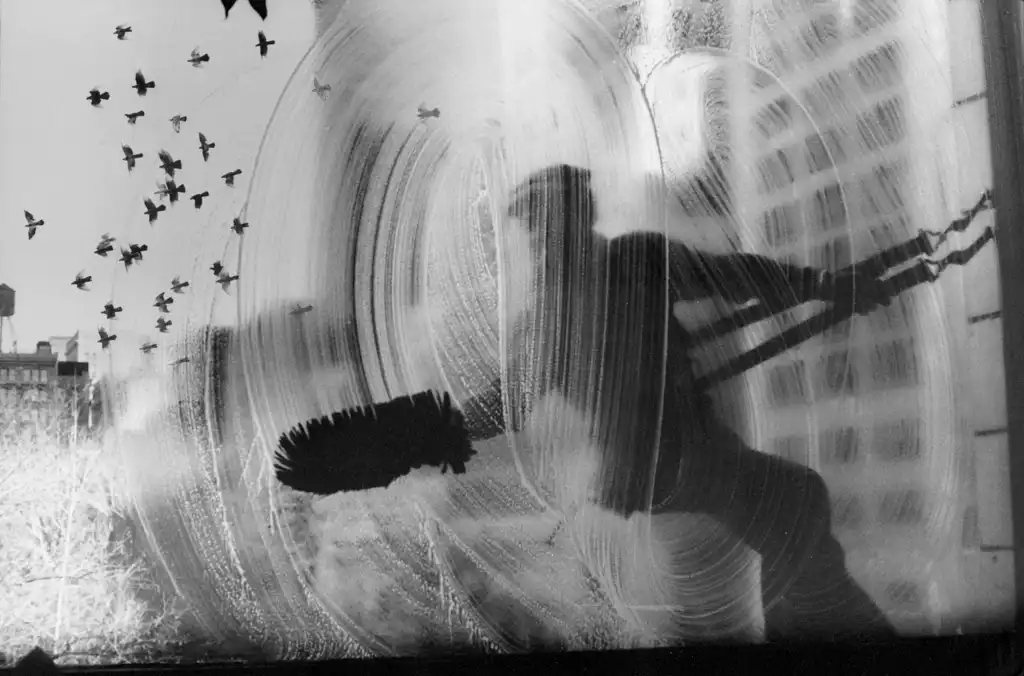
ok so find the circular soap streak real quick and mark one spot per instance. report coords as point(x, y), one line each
point(367, 213)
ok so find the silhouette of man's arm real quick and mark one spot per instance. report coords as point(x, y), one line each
point(741, 277)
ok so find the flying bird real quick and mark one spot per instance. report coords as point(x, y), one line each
point(263, 44)
point(152, 209)
point(238, 226)
point(104, 246)
point(225, 280)
point(217, 268)
point(424, 113)
point(259, 6)
point(162, 324)
point(105, 338)
point(141, 86)
point(182, 360)
point(132, 253)
point(81, 280)
point(122, 30)
point(229, 178)
point(170, 189)
point(321, 90)
point(176, 122)
point(198, 198)
point(95, 97)
point(168, 163)
point(177, 285)
point(162, 302)
point(301, 309)
point(109, 311)
point(132, 117)
point(130, 156)
point(32, 224)
point(205, 146)
point(198, 59)
point(148, 347)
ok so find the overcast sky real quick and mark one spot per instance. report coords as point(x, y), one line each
point(62, 158)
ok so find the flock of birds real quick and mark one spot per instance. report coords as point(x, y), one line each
point(169, 189)
point(172, 191)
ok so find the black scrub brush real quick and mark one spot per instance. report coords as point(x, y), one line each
point(366, 448)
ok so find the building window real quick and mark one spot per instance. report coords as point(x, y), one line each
point(25, 376)
point(821, 36)
point(773, 119)
point(840, 446)
point(836, 375)
point(894, 364)
point(787, 385)
point(775, 173)
point(883, 189)
point(33, 375)
point(879, 70)
point(780, 225)
point(883, 126)
point(898, 440)
point(901, 508)
point(828, 209)
point(847, 512)
point(44, 376)
point(871, 15)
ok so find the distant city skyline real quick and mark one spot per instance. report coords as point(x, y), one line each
point(63, 162)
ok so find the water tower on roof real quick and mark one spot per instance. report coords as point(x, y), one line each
point(6, 301)
point(6, 309)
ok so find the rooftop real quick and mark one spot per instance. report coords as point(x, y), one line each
point(44, 354)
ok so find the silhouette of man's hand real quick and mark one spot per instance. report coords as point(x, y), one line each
point(864, 292)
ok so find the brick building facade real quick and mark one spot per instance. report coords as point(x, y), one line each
point(38, 391)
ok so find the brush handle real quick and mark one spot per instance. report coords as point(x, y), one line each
point(875, 266)
point(808, 329)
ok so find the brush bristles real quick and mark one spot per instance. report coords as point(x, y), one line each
point(366, 448)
